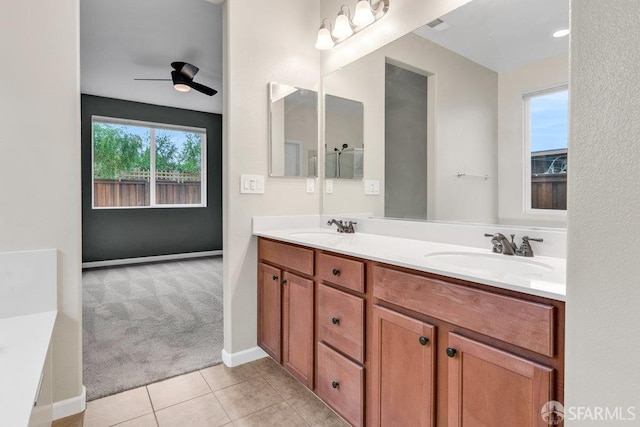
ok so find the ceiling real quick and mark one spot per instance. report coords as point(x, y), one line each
point(125, 39)
point(504, 34)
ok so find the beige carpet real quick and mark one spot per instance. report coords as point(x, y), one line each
point(149, 322)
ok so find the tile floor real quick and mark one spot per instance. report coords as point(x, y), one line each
point(259, 393)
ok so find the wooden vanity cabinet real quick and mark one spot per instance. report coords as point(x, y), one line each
point(487, 384)
point(286, 307)
point(391, 346)
point(402, 370)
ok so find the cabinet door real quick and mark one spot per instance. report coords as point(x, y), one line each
point(489, 387)
point(297, 312)
point(402, 378)
point(269, 310)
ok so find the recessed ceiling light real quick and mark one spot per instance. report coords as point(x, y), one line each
point(561, 33)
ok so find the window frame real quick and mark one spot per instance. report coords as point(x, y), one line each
point(526, 98)
point(153, 126)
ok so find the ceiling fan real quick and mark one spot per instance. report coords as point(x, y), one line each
point(182, 78)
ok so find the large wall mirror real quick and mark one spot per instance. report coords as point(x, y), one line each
point(293, 131)
point(465, 118)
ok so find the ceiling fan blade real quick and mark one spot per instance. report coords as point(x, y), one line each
point(202, 88)
point(186, 69)
point(155, 80)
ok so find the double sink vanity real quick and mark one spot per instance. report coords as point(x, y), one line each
point(398, 331)
point(428, 322)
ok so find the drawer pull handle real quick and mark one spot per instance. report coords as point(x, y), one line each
point(451, 352)
point(336, 272)
point(275, 277)
point(284, 282)
point(335, 320)
point(335, 384)
point(423, 340)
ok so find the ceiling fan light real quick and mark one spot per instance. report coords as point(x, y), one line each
point(342, 28)
point(324, 40)
point(364, 14)
point(181, 87)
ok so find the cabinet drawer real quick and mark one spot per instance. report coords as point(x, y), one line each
point(340, 320)
point(523, 323)
point(341, 384)
point(288, 256)
point(341, 271)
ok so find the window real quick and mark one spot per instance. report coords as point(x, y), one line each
point(546, 137)
point(140, 165)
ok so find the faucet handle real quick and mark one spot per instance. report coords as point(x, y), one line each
point(525, 248)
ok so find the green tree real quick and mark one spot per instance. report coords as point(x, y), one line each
point(191, 154)
point(117, 150)
point(166, 152)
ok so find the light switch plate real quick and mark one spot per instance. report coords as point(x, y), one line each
point(311, 185)
point(371, 187)
point(252, 184)
point(328, 186)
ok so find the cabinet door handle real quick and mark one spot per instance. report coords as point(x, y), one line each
point(275, 277)
point(284, 282)
point(336, 272)
point(335, 384)
point(335, 320)
point(451, 352)
point(423, 340)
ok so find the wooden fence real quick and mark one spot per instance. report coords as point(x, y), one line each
point(549, 191)
point(113, 193)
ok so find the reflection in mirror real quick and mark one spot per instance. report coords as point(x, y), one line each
point(343, 137)
point(451, 132)
point(293, 131)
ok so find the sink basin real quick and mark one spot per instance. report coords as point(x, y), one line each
point(313, 234)
point(496, 264)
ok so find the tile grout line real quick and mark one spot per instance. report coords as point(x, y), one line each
point(285, 400)
point(152, 407)
point(216, 398)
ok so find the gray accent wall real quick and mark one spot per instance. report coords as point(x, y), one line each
point(130, 233)
point(405, 154)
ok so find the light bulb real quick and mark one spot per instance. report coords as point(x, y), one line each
point(364, 14)
point(342, 28)
point(180, 87)
point(324, 41)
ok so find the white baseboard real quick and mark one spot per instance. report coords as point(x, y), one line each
point(242, 357)
point(66, 408)
point(156, 258)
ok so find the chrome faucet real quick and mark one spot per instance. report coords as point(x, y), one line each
point(525, 248)
point(342, 227)
point(501, 245)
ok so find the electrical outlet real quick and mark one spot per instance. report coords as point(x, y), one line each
point(311, 185)
point(371, 187)
point(252, 184)
point(328, 186)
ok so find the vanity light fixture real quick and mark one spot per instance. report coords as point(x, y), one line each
point(365, 15)
point(324, 41)
point(561, 33)
point(342, 28)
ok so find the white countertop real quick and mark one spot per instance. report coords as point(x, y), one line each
point(24, 341)
point(540, 275)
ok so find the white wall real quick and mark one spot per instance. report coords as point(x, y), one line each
point(603, 289)
point(40, 158)
point(264, 41)
point(512, 85)
point(466, 110)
